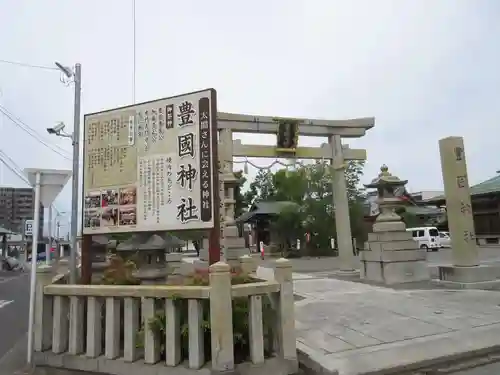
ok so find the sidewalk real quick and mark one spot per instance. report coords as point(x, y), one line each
point(355, 328)
point(14, 363)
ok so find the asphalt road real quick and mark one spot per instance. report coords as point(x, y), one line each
point(14, 305)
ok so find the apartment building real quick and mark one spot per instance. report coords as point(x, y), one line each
point(16, 206)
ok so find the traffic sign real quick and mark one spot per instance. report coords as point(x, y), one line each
point(28, 228)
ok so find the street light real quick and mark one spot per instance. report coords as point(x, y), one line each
point(58, 130)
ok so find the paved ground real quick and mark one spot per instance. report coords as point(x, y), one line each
point(357, 328)
point(14, 305)
point(441, 257)
point(345, 325)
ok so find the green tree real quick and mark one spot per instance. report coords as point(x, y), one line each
point(310, 186)
point(261, 188)
point(239, 197)
point(288, 227)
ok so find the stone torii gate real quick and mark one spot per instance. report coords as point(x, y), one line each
point(334, 151)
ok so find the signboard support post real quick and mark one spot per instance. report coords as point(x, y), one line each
point(214, 244)
point(86, 259)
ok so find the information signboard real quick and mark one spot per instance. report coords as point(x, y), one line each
point(150, 167)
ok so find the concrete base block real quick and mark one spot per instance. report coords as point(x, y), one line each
point(394, 272)
point(477, 277)
point(389, 226)
point(484, 285)
point(390, 236)
point(231, 231)
point(275, 366)
point(394, 245)
point(234, 242)
point(393, 256)
point(235, 253)
point(347, 273)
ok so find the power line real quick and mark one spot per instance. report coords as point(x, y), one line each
point(33, 133)
point(14, 170)
point(26, 65)
point(31, 129)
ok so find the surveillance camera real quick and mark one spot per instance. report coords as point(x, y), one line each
point(56, 129)
point(59, 127)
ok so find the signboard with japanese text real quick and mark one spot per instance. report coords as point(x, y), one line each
point(150, 167)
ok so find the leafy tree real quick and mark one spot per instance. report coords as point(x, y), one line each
point(310, 186)
point(239, 197)
point(261, 188)
point(288, 227)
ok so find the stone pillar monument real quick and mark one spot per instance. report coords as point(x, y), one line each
point(391, 255)
point(466, 271)
point(341, 204)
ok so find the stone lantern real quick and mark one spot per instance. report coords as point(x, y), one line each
point(391, 255)
point(155, 259)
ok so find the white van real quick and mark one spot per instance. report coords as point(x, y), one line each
point(426, 237)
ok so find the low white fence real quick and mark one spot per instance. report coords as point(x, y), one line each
point(154, 328)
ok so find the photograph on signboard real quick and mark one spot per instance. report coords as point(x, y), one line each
point(128, 196)
point(154, 162)
point(109, 197)
point(128, 216)
point(109, 217)
point(92, 219)
point(93, 200)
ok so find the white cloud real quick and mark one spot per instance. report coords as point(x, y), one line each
point(425, 69)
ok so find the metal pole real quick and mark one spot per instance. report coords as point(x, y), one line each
point(25, 243)
point(59, 246)
point(48, 248)
point(76, 165)
point(34, 254)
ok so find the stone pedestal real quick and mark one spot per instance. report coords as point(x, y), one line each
point(474, 277)
point(391, 256)
point(234, 246)
point(173, 263)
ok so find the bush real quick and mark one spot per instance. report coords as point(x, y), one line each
point(240, 321)
point(120, 272)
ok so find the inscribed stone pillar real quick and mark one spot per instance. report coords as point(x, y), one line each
point(458, 202)
point(341, 203)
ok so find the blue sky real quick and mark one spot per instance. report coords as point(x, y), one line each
point(425, 69)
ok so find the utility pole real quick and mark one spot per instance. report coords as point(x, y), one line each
point(76, 171)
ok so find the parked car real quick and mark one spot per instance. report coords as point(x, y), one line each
point(12, 264)
point(444, 239)
point(426, 237)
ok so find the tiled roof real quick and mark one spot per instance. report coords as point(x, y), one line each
point(489, 186)
point(486, 187)
point(265, 208)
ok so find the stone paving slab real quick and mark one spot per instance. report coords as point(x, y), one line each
point(357, 328)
